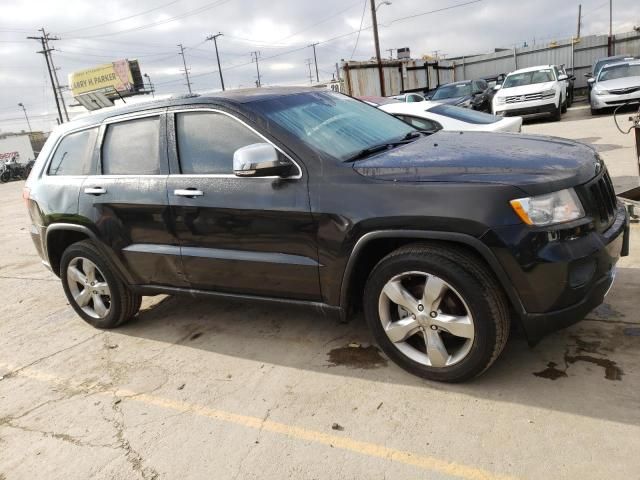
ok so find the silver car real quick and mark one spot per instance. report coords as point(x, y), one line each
point(616, 84)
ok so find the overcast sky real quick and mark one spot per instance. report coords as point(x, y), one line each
point(93, 32)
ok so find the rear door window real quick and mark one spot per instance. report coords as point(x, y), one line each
point(421, 123)
point(132, 147)
point(207, 141)
point(74, 153)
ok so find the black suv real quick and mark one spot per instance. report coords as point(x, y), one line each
point(312, 197)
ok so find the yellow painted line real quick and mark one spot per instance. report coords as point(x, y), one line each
point(423, 462)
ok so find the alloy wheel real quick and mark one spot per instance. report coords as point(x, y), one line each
point(88, 287)
point(426, 319)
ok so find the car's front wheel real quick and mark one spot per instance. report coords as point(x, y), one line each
point(92, 288)
point(437, 311)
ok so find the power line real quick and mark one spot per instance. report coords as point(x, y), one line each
point(364, 9)
point(160, 22)
point(121, 18)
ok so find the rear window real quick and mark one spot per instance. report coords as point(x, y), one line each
point(73, 155)
point(465, 114)
point(132, 147)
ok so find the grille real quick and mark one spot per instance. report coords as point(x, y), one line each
point(524, 98)
point(601, 201)
point(624, 91)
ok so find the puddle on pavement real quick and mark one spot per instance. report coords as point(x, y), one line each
point(551, 372)
point(357, 357)
point(195, 336)
point(605, 312)
point(611, 369)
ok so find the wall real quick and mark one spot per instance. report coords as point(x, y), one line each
point(17, 143)
point(577, 57)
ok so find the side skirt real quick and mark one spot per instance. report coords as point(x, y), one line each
point(320, 307)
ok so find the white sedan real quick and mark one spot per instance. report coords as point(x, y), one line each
point(432, 116)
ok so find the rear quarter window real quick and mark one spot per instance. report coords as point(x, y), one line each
point(465, 114)
point(73, 154)
point(132, 147)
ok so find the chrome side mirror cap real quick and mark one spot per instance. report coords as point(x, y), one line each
point(259, 160)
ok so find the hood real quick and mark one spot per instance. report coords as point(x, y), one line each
point(525, 89)
point(452, 100)
point(619, 83)
point(535, 164)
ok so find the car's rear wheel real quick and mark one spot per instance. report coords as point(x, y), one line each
point(437, 312)
point(92, 288)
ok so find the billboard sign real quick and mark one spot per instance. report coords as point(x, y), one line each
point(114, 76)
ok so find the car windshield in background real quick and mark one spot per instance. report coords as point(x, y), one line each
point(333, 123)
point(452, 91)
point(465, 114)
point(619, 71)
point(529, 78)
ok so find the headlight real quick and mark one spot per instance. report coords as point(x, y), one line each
point(549, 209)
point(601, 92)
point(500, 100)
point(548, 93)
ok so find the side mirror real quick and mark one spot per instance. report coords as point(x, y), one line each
point(591, 80)
point(497, 87)
point(588, 75)
point(562, 77)
point(259, 160)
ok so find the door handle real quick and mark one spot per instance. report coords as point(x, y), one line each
point(95, 190)
point(188, 192)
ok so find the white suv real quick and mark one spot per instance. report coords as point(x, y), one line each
point(532, 91)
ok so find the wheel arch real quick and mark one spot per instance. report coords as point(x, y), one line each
point(379, 243)
point(58, 236)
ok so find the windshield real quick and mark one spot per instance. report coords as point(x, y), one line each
point(465, 114)
point(452, 91)
point(333, 123)
point(529, 78)
point(619, 71)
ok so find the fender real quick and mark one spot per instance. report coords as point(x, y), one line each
point(116, 263)
point(465, 239)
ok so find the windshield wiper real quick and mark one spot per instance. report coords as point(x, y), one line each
point(366, 152)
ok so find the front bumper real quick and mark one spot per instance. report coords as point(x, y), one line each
point(525, 109)
point(559, 274)
point(610, 100)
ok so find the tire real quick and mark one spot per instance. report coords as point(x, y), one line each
point(595, 111)
point(469, 284)
point(564, 106)
point(110, 292)
point(556, 116)
point(5, 176)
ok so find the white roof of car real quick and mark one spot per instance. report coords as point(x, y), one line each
point(409, 107)
point(532, 69)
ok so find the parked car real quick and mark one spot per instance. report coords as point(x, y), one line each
point(569, 83)
point(432, 116)
point(601, 62)
point(468, 94)
point(532, 91)
point(616, 84)
point(409, 97)
point(315, 198)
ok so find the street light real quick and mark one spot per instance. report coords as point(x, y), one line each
point(381, 4)
point(25, 116)
point(150, 84)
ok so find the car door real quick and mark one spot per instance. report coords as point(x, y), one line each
point(238, 235)
point(125, 199)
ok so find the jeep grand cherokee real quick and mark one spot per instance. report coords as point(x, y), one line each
point(312, 197)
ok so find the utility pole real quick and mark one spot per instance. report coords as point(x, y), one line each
point(308, 62)
point(390, 50)
point(610, 27)
point(254, 58)
point(25, 116)
point(315, 59)
point(579, 20)
point(55, 71)
point(374, 21)
point(53, 85)
point(215, 43)
point(186, 70)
